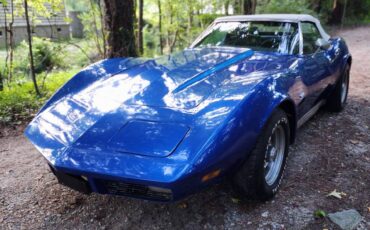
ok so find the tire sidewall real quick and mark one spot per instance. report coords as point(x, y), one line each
point(270, 190)
point(343, 78)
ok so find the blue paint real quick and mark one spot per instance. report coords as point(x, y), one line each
point(214, 69)
point(168, 121)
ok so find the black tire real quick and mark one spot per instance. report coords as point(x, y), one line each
point(338, 98)
point(249, 182)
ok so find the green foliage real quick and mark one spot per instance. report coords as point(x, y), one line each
point(19, 102)
point(287, 6)
point(47, 55)
point(357, 12)
point(319, 213)
point(38, 8)
point(77, 52)
point(80, 5)
point(207, 19)
point(92, 23)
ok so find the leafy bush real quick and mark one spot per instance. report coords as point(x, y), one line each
point(19, 101)
point(47, 55)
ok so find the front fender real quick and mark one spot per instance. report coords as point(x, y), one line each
point(236, 137)
point(85, 77)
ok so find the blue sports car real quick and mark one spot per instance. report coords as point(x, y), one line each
point(226, 107)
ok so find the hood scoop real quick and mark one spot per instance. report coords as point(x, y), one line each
point(148, 138)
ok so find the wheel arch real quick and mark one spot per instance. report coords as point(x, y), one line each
point(288, 107)
point(349, 61)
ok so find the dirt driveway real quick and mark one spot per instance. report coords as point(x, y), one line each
point(332, 151)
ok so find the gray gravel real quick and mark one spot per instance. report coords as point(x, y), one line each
point(332, 151)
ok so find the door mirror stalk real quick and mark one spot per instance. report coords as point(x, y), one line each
point(322, 44)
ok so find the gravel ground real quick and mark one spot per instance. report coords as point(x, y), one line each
point(332, 151)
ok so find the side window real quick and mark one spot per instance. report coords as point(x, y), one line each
point(310, 35)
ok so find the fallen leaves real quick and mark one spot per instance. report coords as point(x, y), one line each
point(337, 194)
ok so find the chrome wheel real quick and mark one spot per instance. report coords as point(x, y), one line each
point(344, 88)
point(274, 156)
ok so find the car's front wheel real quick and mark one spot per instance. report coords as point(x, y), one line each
point(260, 175)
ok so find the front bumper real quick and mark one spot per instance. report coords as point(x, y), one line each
point(149, 190)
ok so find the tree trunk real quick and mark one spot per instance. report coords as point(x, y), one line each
point(190, 20)
point(140, 23)
point(102, 27)
point(119, 24)
point(172, 45)
point(11, 43)
point(249, 6)
point(317, 6)
point(343, 14)
point(336, 14)
point(2, 75)
point(168, 38)
point(1, 82)
point(226, 7)
point(160, 27)
point(29, 36)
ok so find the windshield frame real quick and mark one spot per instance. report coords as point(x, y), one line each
point(209, 30)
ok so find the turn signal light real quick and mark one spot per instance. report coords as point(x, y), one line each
point(211, 175)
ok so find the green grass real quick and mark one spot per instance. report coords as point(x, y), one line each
point(18, 102)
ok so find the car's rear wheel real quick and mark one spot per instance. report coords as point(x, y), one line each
point(337, 100)
point(260, 176)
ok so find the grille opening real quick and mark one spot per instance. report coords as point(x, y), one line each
point(136, 190)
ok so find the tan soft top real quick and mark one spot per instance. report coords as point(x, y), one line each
point(277, 17)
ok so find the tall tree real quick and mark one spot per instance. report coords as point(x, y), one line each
point(11, 41)
point(160, 27)
point(119, 24)
point(190, 19)
point(2, 75)
point(336, 13)
point(102, 27)
point(226, 7)
point(140, 23)
point(249, 6)
point(29, 36)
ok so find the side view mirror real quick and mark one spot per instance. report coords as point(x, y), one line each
point(322, 44)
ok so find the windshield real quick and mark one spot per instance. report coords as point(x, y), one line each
point(281, 37)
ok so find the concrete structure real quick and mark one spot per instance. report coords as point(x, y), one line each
point(54, 28)
point(77, 28)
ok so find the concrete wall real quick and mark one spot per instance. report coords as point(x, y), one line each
point(55, 32)
point(76, 24)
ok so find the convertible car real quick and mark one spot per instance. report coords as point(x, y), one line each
point(227, 107)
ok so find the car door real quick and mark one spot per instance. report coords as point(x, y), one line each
point(314, 68)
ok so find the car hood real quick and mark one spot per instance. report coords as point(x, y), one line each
point(147, 107)
point(181, 80)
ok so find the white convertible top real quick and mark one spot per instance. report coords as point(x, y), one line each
point(277, 17)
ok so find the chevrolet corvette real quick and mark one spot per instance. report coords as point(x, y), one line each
point(226, 107)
